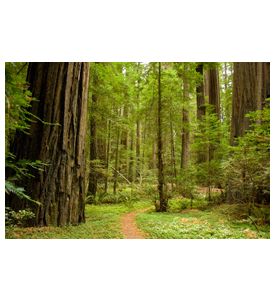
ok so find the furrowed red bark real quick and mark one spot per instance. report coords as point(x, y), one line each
point(251, 87)
point(61, 90)
point(200, 92)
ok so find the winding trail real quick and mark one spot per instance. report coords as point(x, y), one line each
point(129, 226)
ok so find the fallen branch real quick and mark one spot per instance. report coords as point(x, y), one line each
point(121, 175)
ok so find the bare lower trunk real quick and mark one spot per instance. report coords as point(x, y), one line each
point(61, 90)
point(250, 89)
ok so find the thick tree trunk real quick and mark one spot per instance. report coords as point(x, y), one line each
point(214, 100)
point(162, 200)
point(200, 90)
point(206, 85)
point(250, 89)
point(266, 81)
point(214, 90)
point(200, 94)
point(61, 90)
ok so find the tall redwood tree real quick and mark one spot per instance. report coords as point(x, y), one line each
point(56, 138)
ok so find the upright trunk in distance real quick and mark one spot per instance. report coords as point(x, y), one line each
point(138, 122)
point(200, 93)
point(201, 155)
point(125, 143)
point(214, 90)
point(162, 200)
point(131, 175)
point(93, 138)
point(185, 134)
point(117, 153)
point(108, 146)
point(138, 149)
point(172, 143)
point(214, 101)
point(225, 77)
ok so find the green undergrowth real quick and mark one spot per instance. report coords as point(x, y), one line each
point(102, 222)
point(216, 222)
point(177, 204)
point(202, 221)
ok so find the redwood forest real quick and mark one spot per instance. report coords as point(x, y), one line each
point(137, 150)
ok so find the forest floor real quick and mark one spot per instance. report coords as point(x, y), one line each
point(129, 226)
point(138, 220)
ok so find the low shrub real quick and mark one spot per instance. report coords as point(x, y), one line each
point(261, 214)
point(90, 199)
point(177, 204)
point(123, 196)
point(21, 218)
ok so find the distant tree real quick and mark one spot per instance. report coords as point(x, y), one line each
point(185, 134)
point(138, 124)
point(162, 199)
point(93, 134)
point(117, 154)
point(213, 100)
point(107, 162)
point(214, 89)
point(200, 92)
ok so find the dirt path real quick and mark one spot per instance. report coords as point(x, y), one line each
point(129, 226)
